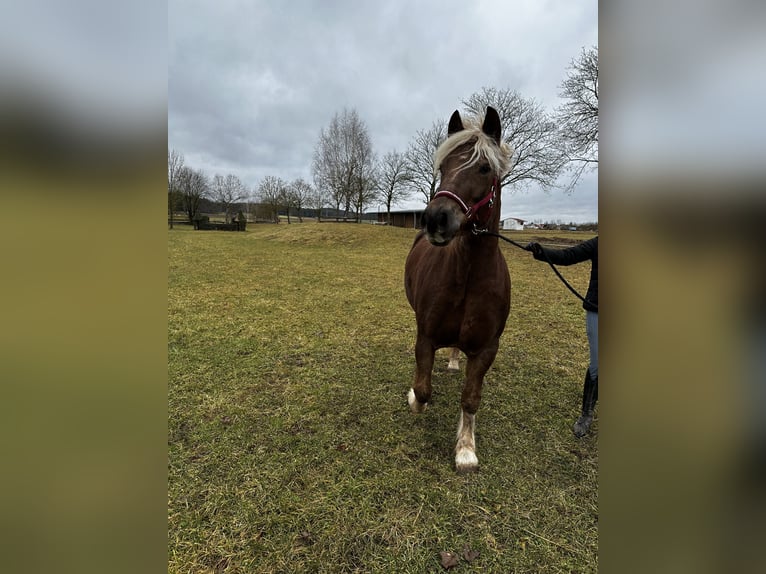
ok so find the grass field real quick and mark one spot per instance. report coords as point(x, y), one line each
point(290, 444)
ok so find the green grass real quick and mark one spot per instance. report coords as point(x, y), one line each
point(291, 446)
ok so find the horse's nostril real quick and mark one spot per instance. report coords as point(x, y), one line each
point(436, 221)
point(433, 226)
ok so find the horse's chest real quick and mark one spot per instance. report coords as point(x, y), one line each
point(462, 313)
point(458, 303)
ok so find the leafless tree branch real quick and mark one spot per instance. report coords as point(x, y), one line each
point(175, 164)
point(343, 165)
point(420, 159)
point(578, 115)
point(394, 177)
point(529, 130)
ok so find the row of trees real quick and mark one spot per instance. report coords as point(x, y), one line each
point(545, 145)
point(560, 224)
point(348, 176)
point(187, 187)
point(277, 195)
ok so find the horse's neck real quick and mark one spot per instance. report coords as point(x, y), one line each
point(474, 251)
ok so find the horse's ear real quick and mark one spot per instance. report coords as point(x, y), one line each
point(455, 124)
point(491, 125)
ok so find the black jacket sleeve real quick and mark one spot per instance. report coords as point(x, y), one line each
point(587, 250)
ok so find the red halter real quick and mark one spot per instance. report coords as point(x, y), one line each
point(472, 212)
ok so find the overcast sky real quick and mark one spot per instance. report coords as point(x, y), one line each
point(251, 84)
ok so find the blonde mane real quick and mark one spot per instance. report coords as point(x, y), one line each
point(498, 156)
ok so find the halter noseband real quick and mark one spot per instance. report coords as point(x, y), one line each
point(472, 212)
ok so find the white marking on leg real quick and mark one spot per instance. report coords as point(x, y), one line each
point(454, 360)
point(465, 450)
point(466, 461)
point(415, 406)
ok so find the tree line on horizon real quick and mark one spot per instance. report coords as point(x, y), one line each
point(348, 176)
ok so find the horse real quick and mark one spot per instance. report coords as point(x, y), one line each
point(456, 278)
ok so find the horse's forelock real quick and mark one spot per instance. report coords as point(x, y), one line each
point(498, 156)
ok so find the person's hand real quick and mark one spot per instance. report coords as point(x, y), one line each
point(534, 247)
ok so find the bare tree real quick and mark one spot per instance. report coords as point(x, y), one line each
point(301, 193)
point(217, 185)
point(227, 191)
point(363, 185)
point(578, 115)
point(327, 166)
point(393, 179)
point(175, 164)
point(271, 194)
point(193, 185)
point(316, 201)
point(365, 192)
point(287, 199)
point(420, 157)
point(530, 131)
point(343, 161)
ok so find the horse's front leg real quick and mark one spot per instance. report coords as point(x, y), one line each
point(420, 393)
point(465, 449)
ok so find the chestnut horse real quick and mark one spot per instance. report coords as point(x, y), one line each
point(456, 279)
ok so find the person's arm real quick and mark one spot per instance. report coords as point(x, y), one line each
point(578, 253)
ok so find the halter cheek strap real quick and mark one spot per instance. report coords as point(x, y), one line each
point(472, 211)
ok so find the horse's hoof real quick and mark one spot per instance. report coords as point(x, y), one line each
point(415, 406)
point(466, 461)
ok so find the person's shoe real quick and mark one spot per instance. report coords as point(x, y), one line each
point(582, 426)
point(589, 397)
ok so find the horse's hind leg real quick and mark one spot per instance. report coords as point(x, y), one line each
point(420, 393)
point(465, 449)
point(454, 359)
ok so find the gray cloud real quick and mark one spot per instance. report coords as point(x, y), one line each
point(250, 85)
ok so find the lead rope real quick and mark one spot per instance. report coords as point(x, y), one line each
point(477, 231)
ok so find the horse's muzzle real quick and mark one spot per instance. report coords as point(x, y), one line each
point(441, 223)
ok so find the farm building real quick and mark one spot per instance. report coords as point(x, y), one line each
point(512, 223)
point(406, 218)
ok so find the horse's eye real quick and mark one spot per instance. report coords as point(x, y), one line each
point(484, 169)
